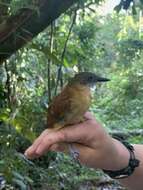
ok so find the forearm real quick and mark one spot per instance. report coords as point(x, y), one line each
point(120, 161)
point(114, 159)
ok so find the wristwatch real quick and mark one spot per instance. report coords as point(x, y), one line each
point(133, 163)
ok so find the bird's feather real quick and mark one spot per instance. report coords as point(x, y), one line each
point(68, 107)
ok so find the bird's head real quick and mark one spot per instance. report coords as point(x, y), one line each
point(87, 78)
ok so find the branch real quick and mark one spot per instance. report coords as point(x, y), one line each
point(21, 28)
point(128, 134)
point(50, 61)
point(8, 93)
point(64, 51)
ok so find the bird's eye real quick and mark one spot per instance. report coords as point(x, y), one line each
point(90, 78)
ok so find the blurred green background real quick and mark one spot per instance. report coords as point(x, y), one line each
point(88, 37)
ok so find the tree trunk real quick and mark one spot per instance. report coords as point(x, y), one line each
point(19, 29)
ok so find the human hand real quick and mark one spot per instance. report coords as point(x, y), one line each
point(97, 149)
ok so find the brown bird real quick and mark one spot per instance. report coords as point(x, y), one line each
point(74, 100)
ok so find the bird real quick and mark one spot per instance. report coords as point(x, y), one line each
point(70, 105)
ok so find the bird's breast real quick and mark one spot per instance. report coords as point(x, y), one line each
point(80, 99)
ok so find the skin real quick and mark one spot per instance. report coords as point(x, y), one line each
point(96, 147)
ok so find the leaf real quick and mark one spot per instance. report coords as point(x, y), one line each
point(2, 162)
point(4, 116)
point(48, 53)
point(118, 8)
point(18, 175)
point(29, 179)
point(19, 179)
point(20, 184)
point(65, 63)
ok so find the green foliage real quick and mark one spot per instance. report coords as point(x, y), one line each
point(110, 45)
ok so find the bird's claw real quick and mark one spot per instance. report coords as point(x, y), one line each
point(74, 154)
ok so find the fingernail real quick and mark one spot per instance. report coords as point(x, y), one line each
point(28, 150)
point(25, 153)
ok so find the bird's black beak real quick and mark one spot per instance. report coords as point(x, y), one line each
point(101, 79)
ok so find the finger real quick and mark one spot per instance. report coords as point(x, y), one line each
point(60, 147)
point(30, 152)
point(87, 156)
point(66, 148)
point(75, 133)
point(48, 140)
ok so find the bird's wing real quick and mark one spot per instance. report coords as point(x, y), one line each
point(59, 110)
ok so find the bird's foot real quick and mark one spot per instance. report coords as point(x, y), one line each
point(74, 153)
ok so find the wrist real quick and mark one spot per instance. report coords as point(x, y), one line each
point(133, 163)
point(117, 157)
